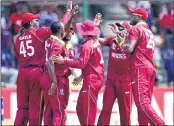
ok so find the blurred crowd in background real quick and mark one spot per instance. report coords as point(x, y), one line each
point(160, 20)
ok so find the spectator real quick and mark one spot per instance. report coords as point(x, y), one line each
point(168, 55)
point(15, 19)
point(47, 16)
point(166, 19)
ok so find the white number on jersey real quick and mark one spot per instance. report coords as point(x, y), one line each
point(30, 49)
point(101, 56)
point(150, 43)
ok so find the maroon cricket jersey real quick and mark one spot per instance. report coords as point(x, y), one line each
point(69, 51)
point(91, 59)
point(143, 53)
point(55, 46)
point(119, 60)
point(29, 47)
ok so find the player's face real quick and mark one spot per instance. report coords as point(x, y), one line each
point(134, 19)
point(62, 32)
point(35, 23)
point(69, 34)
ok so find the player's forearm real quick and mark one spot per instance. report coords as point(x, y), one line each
point(74, 63)
point(66, 17)
point(129, 46)
point(69, 22)
point(101, 41)
point(51, 71)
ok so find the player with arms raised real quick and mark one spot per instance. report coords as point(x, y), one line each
point(118, 78)
point(30, 52)
point(92, 64)
point(141, 47)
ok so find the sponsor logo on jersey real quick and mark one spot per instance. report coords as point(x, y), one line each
point(119, 56)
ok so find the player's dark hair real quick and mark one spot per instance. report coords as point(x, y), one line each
point(55, 27)
point(24, 27)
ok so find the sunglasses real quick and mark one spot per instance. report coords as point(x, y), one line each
point(120, 28)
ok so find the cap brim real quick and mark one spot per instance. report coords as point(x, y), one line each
point(36, 16)
point(131, 10)
point(95, 32)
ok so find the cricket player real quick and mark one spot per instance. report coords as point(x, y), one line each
point(92, 64)
point(30, 52)
point(54, 82)
point(118, 78)
point(141, 47)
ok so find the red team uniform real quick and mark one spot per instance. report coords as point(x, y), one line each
point(29, 50)
point(92, 65)
point(117, 84)
point(143, 74)
point(56, 104)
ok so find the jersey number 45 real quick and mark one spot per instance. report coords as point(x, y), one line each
point(26, 49)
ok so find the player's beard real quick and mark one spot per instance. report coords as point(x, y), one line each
point(133, 22)
point(36, 26)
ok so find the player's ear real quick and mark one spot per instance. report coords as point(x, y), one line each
point(31, 23)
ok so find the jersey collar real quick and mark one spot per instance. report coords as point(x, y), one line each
point(55, 37)
point(143, 23)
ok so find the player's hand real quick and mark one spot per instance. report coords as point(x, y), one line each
point(69, 6)
point(98, 19)
point(77, 80)
point(114, 28)
point(53, 88)
point(122, 36)
point(57, 59)
point(75, 11)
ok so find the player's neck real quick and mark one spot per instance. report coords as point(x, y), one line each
point(57, 35)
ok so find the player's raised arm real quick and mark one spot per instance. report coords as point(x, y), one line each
point(74, 13)
point(97, 21)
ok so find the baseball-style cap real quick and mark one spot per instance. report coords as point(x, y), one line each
point(139, 11)
point(88, 27)
point(123, 24)
point(26, 17)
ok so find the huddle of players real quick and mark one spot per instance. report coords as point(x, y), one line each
point(46, 59)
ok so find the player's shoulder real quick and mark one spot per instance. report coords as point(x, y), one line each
point(43, 29)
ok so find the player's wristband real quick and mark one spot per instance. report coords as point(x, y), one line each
point(68, 10)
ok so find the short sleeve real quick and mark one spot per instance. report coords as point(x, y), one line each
point(134, 33)
point(43, 33)
point(56, 49)
point(107, 41)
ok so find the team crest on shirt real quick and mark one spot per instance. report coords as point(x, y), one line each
point(113, 46)
point(61, 92)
